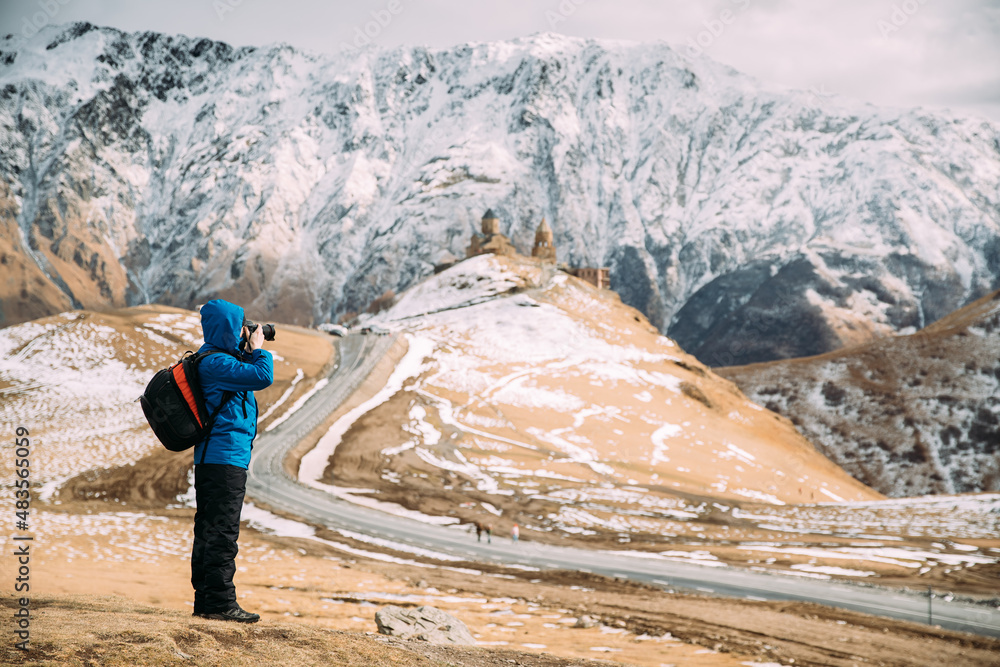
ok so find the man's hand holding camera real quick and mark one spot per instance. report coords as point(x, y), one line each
point(255, 340)
point(253, 335)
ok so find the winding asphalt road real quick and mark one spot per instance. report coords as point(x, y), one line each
point(269, 483)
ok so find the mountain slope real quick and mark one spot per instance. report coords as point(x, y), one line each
point(548, 400)
point(907, 415)
point(749, 223)
point(73, 381)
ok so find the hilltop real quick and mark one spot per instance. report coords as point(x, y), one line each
point(537, 393)
point(88, 630)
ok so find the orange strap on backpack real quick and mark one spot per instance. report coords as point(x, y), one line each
point(181, 379)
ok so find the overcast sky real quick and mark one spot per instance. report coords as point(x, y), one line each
point(932, 53)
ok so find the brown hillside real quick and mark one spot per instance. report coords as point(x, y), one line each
point(120, 528)
point(907, 415)
point(26, 293)
point(538, 393)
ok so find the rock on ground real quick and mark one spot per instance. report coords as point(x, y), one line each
point(424, 623)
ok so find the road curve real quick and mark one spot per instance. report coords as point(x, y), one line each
point(268, 482)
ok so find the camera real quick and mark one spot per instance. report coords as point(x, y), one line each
point(251, 326)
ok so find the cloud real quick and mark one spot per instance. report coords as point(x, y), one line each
point(898, 53)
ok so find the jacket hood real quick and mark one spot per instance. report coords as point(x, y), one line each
point(221, 324)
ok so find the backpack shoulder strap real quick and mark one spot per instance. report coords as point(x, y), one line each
point(226, 397)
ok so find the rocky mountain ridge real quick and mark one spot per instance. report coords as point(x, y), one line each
point(749, 223)
point(907, 415)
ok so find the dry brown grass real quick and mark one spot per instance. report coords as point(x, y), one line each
point(110, 631)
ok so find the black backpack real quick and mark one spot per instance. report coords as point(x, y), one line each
point(175, 406)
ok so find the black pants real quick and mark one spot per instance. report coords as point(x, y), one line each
point(219, 491)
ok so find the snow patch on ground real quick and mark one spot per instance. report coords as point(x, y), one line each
point(314, 463)
point(68, 382)
point(266, 522)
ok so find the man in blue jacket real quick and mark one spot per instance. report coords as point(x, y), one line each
point(220, 471)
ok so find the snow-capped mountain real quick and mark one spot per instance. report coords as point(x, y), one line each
point(907, 415)
point(748, 222)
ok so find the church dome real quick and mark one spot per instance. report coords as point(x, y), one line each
point(543, 232)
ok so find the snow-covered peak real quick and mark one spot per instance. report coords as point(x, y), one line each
point(312, 184)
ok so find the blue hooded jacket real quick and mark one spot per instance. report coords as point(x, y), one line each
point(236, 424)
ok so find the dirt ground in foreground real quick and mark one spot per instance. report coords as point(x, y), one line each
point(301, 586)
point(301, 581)
point(96, 630)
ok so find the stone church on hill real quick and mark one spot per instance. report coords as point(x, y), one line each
point(491, 241)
